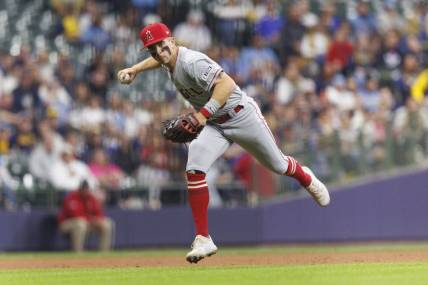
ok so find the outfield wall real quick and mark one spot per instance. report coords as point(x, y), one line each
point(388, 209)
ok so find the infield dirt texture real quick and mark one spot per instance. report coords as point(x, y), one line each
point(391, 263)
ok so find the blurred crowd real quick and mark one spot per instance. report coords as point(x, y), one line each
point(342, 85)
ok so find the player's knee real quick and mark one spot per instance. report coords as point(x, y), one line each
point(197, 159)
point(195, 177)
point(198, 148)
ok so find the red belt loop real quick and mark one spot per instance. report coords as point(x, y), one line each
point(226, 117)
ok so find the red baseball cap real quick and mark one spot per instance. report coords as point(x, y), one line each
point(154, 33)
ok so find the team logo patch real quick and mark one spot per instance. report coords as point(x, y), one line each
point(207, 72)
point(149, 36)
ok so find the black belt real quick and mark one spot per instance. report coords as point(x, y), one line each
point(226, 117)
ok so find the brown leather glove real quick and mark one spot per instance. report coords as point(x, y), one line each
point(182, 129)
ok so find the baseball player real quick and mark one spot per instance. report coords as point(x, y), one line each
point(224, 115)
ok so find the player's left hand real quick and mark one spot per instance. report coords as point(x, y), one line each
point(182, 129)
point(201, 118)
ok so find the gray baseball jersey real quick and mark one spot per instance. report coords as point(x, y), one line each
point(194, 75)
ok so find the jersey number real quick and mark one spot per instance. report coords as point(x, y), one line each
point(187, 93)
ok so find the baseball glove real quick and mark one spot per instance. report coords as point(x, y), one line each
point(182, 129)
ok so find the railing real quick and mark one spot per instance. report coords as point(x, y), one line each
point(43, 195)
point(336, 162)
point(333, 159)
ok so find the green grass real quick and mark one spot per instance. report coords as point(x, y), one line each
point(347, 274)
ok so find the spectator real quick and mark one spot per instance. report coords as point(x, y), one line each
point(77, 142)
point(93, 140)
point(374, 131)
point(408, 75)
point(325, 76)
point(70, 22)
point(81, 95)
point(326, 125)
point(364, 23)
point(153, 173)
point(420, 87)
point(242, 169)
point(329, 21)
point(366, 50)
point(4, 140)
point(9, 74)
point(45, 154)
point(81, 214)
point(412, 45)
point(99, 75)
point(229, 61)
point(340, 97)
point(291, 84)
point(388, 18)
point(153, 177)
point(230, 20)
point(212, 178)
point(145, 6)
point(67, 172)
point(26, 95)
point(258, 9)
point(8, 186)
point(341, 49)
point(410, 123)
point(44, 65)
point(349, 150)
point(135, 117)
point(269, 26)
point(315, 41)
point(66, 73)
point(89, 11)
point(390, 57)
point(126, 157)
point(292, 33)
point(109, 175)
point(370, 94)
point(417, 20)
point(24, 137)
point(193, 33)
point(90, 117)
point(95, 34)
point(115, 115)
point(256, 56)
point(56, 98)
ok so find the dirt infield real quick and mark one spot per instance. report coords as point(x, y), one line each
point(217, 260)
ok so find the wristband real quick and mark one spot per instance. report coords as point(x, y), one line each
point(205, 112)
point(210, 108)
